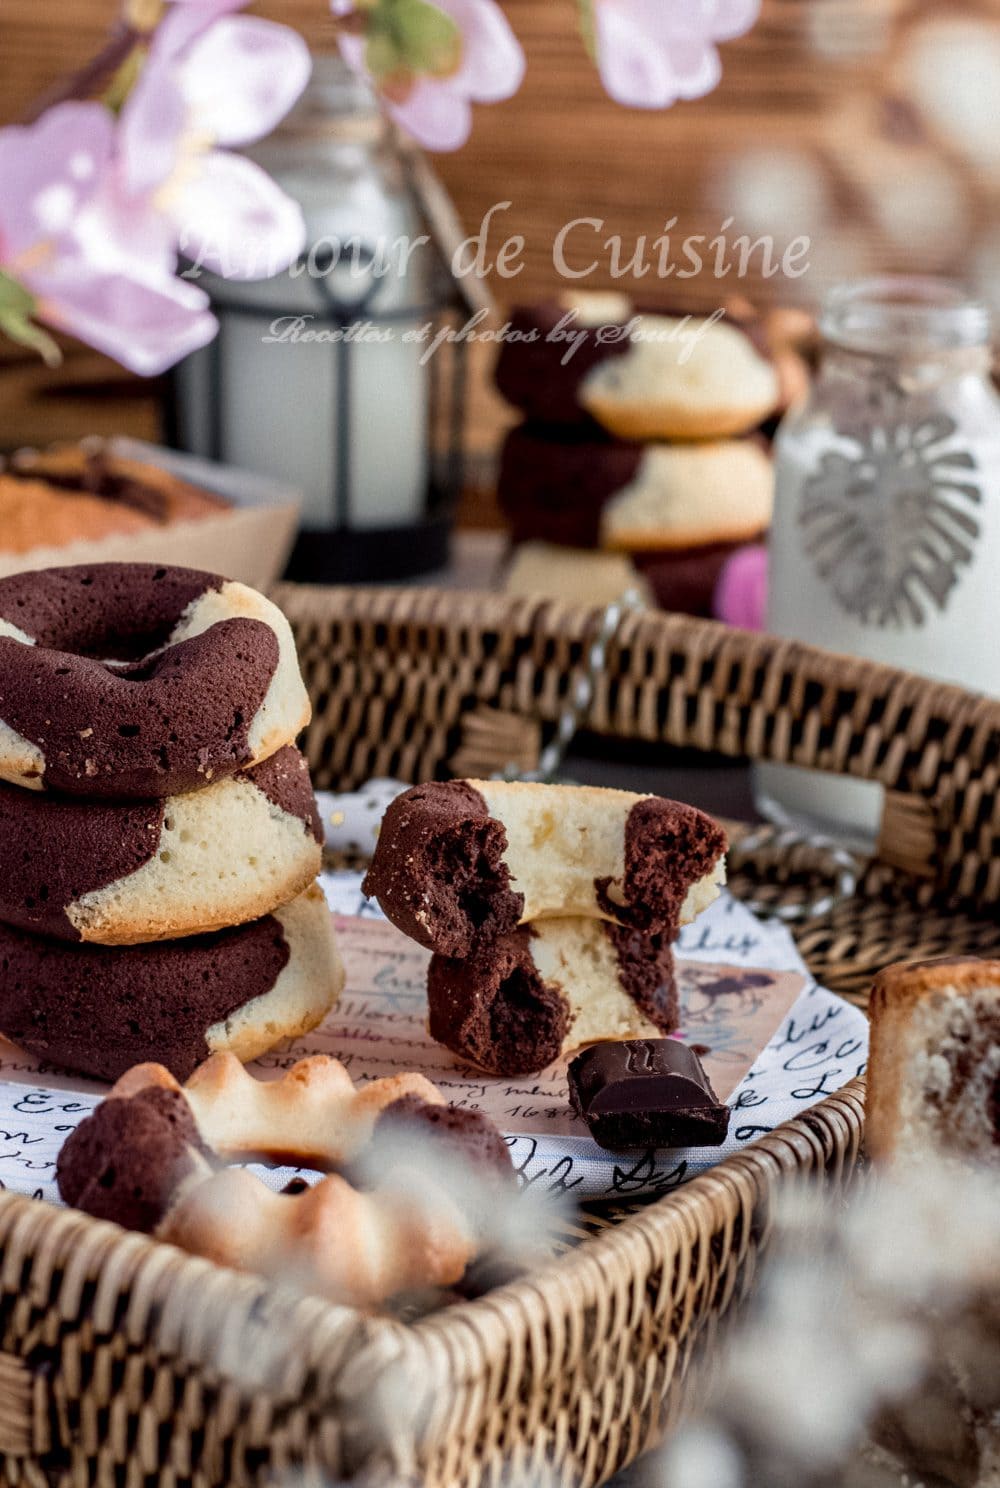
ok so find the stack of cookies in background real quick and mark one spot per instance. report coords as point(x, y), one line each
point(551, 911)
point(159, 839)
point(642, 442)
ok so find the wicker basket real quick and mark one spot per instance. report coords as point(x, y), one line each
point(123, 1361)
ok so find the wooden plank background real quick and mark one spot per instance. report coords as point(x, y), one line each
point(562, 149)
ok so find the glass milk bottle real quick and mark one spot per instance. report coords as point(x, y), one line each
point(886, 535)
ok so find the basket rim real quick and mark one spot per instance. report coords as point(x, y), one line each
point(777, 1152)
point(427, 605)
point(63, 1238)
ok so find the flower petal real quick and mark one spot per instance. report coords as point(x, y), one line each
point(151, 126)
point(241, 77)
point(145, 326)
point(119, 233)
point(731, 18)
point(492, 59)
point(695, 64)
point(435, 114)
point(652, 52)
point(231, 218)
point(47, 169)
point(186, 20)
point(352, 49)
point(741, 589)
point(634, 71)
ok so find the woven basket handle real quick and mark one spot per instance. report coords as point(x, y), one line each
point(934, 748)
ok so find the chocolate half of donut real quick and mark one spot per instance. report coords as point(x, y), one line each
point(669, 846)
point(456, 1132)
point(125, 1161)
point(684, 580)
point(498, 1010)
point(107, 611)
point(99, 1010)
point(438, 870)
point(554, 484)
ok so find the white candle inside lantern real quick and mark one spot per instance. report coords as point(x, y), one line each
point(270, 394)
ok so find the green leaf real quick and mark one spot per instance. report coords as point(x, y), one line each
point(429, 40)
point(17, 306)
point(14, 297)
point(26, 333)
point(382, 54)
point(124, 79)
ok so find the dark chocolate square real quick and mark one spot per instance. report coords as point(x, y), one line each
point(646, 1093)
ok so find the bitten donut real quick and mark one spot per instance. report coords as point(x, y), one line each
point(129, 681)
point(145, 1160)
point(463, 861)
point(546, 989)
point(682, 379)
point(934, 1062)
point(120, 873)
point(99, 1010)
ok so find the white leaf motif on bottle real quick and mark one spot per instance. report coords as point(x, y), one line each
point(891, 525)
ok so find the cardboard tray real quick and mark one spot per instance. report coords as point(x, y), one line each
point(250, 543)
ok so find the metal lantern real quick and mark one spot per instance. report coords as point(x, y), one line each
point(343, 376)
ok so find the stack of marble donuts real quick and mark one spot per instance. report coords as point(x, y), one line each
point(639, 440)
point(551, 911)
point(159, 840)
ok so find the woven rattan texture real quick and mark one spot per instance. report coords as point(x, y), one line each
point(122, 1361)
point(125, 1363)
point(407, 682)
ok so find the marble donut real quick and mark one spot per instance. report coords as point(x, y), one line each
point(678, 511)
point(99, 1010)
point(544, 990)
point(132, 681)
point(121, 873)
point(692, 496)
point(462, 862)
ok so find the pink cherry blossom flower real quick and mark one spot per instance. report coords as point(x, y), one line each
point(94, 211)
point(435, 107)
point(136, 312)
point(651, 53)
point(740, 597)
